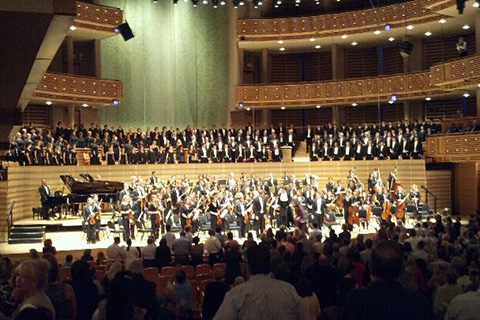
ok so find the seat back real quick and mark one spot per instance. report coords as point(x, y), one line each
point(64, 273)
point(203, 269)
point(162, 283)
point(150, 274)
point(168, 271)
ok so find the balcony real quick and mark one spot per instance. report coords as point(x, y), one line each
point(95, 22)
point(442, 79)
point(78, 90)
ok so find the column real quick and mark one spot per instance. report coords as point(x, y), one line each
point(415, 61)
point(70, 55)
point(477, 97)
point(477, 38)
point(266, 67)
point(98, 59)
point(266, 119)
point(71, 114)
point(338, 72)
point(233, 63)
point(414, 109)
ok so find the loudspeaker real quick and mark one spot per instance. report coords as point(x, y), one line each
point(407, 48)
point(126, 31)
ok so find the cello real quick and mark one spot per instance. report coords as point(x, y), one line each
point(387, 209)
point(353, 214)
point(400, 214)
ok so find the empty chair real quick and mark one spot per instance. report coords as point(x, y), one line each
point(189, 270)
point(203, 269)
point(219, 266)
point(202, 277)
point(150, 274)
point(168, 271)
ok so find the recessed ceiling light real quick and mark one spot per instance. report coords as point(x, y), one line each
point(478, 85)
point(466, 27)
point(377, 32)
point(391, 39)
point(466, 95)
point(283, 108)
point(282, 49)
point(73, 28)
point(354, 43)
point(280, 41)
point(428, 98)
point(409, 27)
point(248, 109)
point(297, 4)
point(84, 105)
point(49, 103)
point(476, 4)
point(279, 2)
point(318, 106)
point(442, 21)
point(428, 33)
point(276, 6)
point(318, 46)
point(354, 104)
point(344, 36)
point(390, 102)
point(312, 39)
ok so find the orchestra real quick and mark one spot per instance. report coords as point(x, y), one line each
point(253, 203)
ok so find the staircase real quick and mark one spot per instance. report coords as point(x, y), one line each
point(301, 155)
point(26, 234)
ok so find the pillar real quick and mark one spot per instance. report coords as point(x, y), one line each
point(70, 55)
point(415, 62)
point(266, 119)
point(71, 114)
point(477, 97)
point(414, 109)
point(477, 38)
point(233, 62)
point(98, 59)
point(266, 67)
point(338, 72)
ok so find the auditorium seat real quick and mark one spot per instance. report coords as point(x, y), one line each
point(219, 266)
point(162, 283)
point(201, 277)
point(189, 270)
point(203, 269)
point(64, 273)
point(150, 274)
point(99, 275)
point(168, 271)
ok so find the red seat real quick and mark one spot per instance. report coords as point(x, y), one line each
point(202, 277)
point(189, 270)
point(64, 274)
point(168, 271)
point(162, 283)
point(330, 313)
point(150, 274)
point(203, 269)
point(219, 266)
point(99, 275)
point(203, 285)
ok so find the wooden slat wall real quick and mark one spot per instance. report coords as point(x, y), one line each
point(466, 187)
point(440, 109)
point(393, 112)
point(361, 63)
point(439, 182)
point(3, 210)
point(318, 116)
point(287, 117)
point(439, 50)
point(286, 68)
point(361, 114)
point(37, 114)
point(392, 60)
point(318, 66)
point(23, 182)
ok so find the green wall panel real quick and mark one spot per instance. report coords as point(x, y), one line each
point(174, 70)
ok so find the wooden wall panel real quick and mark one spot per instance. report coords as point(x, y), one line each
point(3, 210)
point(360, 63)
point(466, 187)
point(438, 50)
point(439, 182)
point(23, 182)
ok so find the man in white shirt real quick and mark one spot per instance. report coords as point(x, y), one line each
point(262, 297)
point(315, 232)
point(464, 307)
point(148, 253)
point(213, 247)
point(169, 235)
point(115, 253)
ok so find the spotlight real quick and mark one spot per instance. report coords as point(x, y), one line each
point(248, 109)
point(428, 98)
point(260, 3)
point(283, 108)
point(460, 6)
point(377, 32)
point(354, 104)
point(393, 97)
point(84, 105)
point(466, 27)
point(242, 3)
point(318, 46)
point(282, 49)
point(280, 41)
point(116, 102)
point(73, 28)
point(442, 21)
point(391, 39)
point(344, 36)
point(409, 27)
point(125, 31)
point(388, 27)
point(205, 1)
point(390, 102)
point(222, 3)
point(155, 1)
point(466, 95)
point(354, 43)
point(318, 106)
point(428, 33)
point(476, 4)
point(116, 30)
point(279, 2)
point(215, 3)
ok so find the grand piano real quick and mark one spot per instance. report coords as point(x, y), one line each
point(80, 191)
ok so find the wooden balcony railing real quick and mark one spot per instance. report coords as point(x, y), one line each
point(65, 87)
point(453, 147)
point(101, 18)
point(397, 15)
point(439, 79)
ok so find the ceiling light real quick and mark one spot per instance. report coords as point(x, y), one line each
point(318, 46)
point(116, 102)
point(283, 108)
point(248, 109)
point(466, 95)
point(354, 43)
point(205, 1)
point(312, 39)
point(260, 3)
point(428, 98)
point(222, 3)
point(155, 1)
point(442, 21)
point(242, 3)
point(388, 27)
point(391, 39)
point(393, 97)
point(478, 85)
point(344, 36)
point(84, 105)
point(282, 49)
point(297, 1)
point(354, 104)
point(297, 4)
point(241, 104)
point(318, 106)
point(476, 4)
point(428, 33)
point(73, 28)
point(409, 27)
point(377, 32)
point(49, 103)
point(466, 27)
point(279, 2)
point(276, 6)
point(390, 102)
point(280, 41)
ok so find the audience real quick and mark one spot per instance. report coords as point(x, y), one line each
point(214, 294)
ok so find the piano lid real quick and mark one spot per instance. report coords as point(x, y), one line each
point(91, 186)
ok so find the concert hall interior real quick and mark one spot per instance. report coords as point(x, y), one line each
point(240, 159)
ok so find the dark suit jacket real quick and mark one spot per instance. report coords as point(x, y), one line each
point(43, 194)
point(323, 208)
point(144, 294)
point(214, 294)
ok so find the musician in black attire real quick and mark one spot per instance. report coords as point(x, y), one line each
point(186, 212)
point(213, 208)
point(89, 220)
point(319, 209)
point(153, 210)
point(97, 211)
point(239, 211)
point(259, 211)
point(45, 193)
point(127, 217)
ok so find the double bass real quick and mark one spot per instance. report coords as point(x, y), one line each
point(400, 213)
point(353, 214)
point(387, 209)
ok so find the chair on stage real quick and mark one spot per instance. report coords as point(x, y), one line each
point(111, 229)
point(424, 211)
point(37, 212)
point(142, 229)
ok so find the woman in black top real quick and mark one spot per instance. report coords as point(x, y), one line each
point(110, 156)
point(38, 157)
point(163, 256)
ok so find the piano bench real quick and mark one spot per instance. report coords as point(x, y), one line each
point(37, 211)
